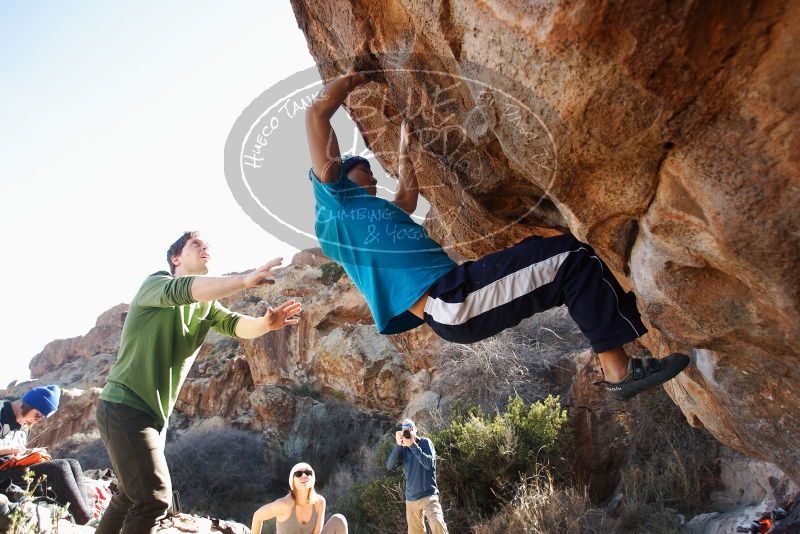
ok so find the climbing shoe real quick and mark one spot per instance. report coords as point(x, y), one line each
point(645, 374)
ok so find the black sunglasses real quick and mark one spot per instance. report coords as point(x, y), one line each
point(307, 472)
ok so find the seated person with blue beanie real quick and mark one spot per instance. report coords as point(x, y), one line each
point(64, 477)
point(407, 279)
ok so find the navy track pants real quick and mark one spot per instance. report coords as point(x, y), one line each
point(481, 298)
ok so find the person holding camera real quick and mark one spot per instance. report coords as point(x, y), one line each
point(418, 458)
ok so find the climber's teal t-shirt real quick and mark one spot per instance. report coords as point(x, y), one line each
point(389, 257)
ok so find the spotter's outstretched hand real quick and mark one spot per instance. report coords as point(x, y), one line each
point(263, 275)
point(283, 315)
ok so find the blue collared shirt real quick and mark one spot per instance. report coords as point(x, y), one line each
point(419, 467)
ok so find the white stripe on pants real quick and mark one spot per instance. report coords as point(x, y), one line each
point(497, 293)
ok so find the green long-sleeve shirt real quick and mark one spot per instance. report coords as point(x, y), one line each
point(160, 339)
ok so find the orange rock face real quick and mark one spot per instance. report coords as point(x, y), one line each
point(103, 338)
point(664, 134)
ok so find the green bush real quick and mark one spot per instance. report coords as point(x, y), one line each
point(375, 506)
point(376, 501)
point(481, 458)
point(331, 272)
point(383, 449)
point(541, 429)
point(480, 462)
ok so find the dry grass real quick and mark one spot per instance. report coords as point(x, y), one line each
point(362, 466)
point(86, 447)
point(671, 465)
point(220, 472)
point(541, 507)
point(516, 361)
point(332, 435)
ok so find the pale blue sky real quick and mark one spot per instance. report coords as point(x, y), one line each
point(113, 119)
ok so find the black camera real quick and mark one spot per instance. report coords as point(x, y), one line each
point(407, 433)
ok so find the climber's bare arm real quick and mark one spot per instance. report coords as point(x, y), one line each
point(322, 142)
point(407, 187)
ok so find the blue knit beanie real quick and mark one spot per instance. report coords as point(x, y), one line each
point(44, 398)
point(349, 161)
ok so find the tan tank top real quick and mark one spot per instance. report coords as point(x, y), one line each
point(293, 526)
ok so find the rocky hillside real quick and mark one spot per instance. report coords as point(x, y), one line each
point(289, 384)
point(333, 375)
point(271, 384)
point(663, 133)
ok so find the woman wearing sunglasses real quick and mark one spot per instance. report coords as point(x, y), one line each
point(64, 477)
point(302, 511)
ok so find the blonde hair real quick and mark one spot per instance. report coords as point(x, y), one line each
point(312, 494)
